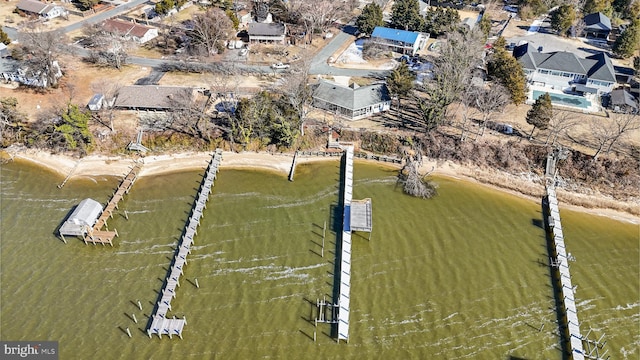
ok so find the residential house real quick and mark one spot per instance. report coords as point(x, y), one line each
point(597, 26)
point(272, 32)
point(562, 70)
point(153, 98)
point(130, 30)
point(351, 102)
point(402, 41)
point(622, 101)
point(40, 9)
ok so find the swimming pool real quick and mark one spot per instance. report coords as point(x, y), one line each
point(565, 99)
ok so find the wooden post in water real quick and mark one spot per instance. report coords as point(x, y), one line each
point(126, 215)
point(184, 317)
point(139, 305)
point(128, 332)
point(324, 232)
point(134, 318)
point(314, 336)
point(63, 239)
point(197, 285)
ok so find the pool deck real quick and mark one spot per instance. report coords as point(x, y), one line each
point(593, 107)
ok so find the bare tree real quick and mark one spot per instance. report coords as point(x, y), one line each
point(109, 89)
point(578, 27)
point(210, 29)
point(111, 46)
point(297, 90)
point(459, 55)
point(561, 122)
point(608, 133)
point(224, 88)
point(318, 15)
point(489, 101)
point(414, 183)
point(44, 49)
point(187, 114)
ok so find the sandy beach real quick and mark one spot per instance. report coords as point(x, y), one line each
point(101, 165)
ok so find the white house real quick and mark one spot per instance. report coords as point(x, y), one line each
point(46, 11)
point(402, 41)
point(130, 30)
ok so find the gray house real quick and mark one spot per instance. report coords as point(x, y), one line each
point(562, 70)
point(597, 26)
point(352, 102)
point(270, 33)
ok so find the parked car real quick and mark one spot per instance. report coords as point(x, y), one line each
point(280, 66)
point(243, 52)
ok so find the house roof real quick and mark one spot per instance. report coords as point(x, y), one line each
point(409, 37)
point(597, 67)
point(560, 61)
point(597, 21)
point(34, 6)
point(126, 27)
point(266, 29)
point(352, 98)
point(623, 97)
point(151, 96)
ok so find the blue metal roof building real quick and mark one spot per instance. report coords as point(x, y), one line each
point(401, 40)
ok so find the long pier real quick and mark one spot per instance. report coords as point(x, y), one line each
point(158, 322)
point(345, 258)
point(560, 260)
point(95, 234)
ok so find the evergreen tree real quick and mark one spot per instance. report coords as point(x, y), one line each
point(629, 41)
point(506, 69)
point(74, 128)
point(164, 6)
point(562, 19)
point(400, 82)
point(540, 113)
point(405, 14)
point(439, 21)
point(594, 6)
point(485, 24)
point(4, 38)
point(370, 17)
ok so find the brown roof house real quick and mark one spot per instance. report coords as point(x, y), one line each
point(155, 98)
point(130, 30)
point(271, 32)
point(40, 9)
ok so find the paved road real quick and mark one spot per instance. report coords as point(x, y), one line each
point(319, 62)
point(319, 65)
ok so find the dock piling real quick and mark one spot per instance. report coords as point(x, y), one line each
point(139, 305)
point(134, 318)
point(128, 332)
point(197, 285)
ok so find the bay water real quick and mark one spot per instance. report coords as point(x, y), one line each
point(459, 276)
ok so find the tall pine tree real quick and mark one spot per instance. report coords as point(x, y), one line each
point(405, 14)
point(540, 113)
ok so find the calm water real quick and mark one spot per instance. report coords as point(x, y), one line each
point(455, 277)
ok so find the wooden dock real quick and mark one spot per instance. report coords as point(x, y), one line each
point(96, 235)
point(158, 322)
point(560, 260)
point(345, 258)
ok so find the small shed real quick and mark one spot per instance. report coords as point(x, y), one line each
point(95, 103)
point(84, 216)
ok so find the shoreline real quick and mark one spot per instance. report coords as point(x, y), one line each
point(102, 165)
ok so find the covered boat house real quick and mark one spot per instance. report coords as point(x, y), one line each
point(82, 219)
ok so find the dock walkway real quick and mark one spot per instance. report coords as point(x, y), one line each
point(345, 263)
point(561, 260)
point(159, 323)
point(96, 235)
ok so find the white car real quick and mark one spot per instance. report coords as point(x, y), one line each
point(280, 66)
